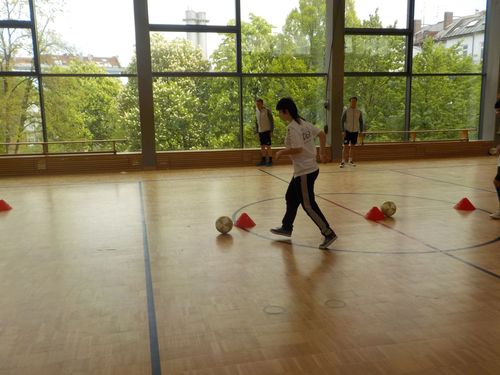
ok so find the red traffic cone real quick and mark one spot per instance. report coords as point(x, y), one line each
point(244, 221)
point(464, 205)
point(4, 206)
point(374, 214)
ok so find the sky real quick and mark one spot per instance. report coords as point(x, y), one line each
point(105, 28)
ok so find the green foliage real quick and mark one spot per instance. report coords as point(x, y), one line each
point(19, 121)
point(382, 100)
point(193, 113)
point(128, 105)
point(304, 33)
point(81, 108)
point(351, 18)
point(444, 102)
point(190, 113)
point(373, 53)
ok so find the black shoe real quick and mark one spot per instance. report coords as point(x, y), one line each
point(328, 241)
point(261, 163)
point(269, 164)
point(281, 232)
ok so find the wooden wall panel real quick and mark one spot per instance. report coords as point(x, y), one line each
point(96, 163)
point(68, 164)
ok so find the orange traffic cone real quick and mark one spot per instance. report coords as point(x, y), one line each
point(244, 221)
point(464, 205)
point(4, 206)
point(374, 214)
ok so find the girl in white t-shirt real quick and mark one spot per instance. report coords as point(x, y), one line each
point(301, 148)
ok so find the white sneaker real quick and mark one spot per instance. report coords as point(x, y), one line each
point(342, 165)
point(495, 215)
point(351, 163)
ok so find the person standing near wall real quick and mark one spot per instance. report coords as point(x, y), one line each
point(264, 126)
point(352, 125)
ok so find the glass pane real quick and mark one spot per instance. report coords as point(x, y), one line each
point(15, 10)
point(382, 101)
point(196, 113)
point(309, 93)
point(379, 53)
point(20, 119)
point(191, 12)
point(90, 32)
point(283, 36)
point(449, 36)
point(88, 109)
point(440, 103)
point(193, 52)
point(129, 125)
point(376, 13)
point(17, 50)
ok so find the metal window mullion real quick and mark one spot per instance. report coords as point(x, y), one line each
point(15, 24)
point(409, 65)
point(192, 28)
point(374, 31)
point(38, 73)
point(239, 68)
point(145, 83)
point(487, 19)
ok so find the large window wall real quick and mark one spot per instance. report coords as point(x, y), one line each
point(308, 92)
point(69, 70)
point(415, 66)
point(65, 69)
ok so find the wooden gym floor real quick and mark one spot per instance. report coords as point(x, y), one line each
point(126, 274)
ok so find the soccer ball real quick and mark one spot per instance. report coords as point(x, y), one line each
point(224, 224)
point(388, 208)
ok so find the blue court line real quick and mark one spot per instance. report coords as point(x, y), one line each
point(153, 332)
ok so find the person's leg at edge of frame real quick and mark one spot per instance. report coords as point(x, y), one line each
point(269, 154)
point(496, 182)
point(262, 153)
point(354, 141)
point(351, 155)
point(345, 153)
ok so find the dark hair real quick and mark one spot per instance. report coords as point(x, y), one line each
point(353, 97)
point(259, 100)
point(289, 105)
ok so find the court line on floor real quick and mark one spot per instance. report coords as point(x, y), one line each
point(491, 273)
point(433, 251)
point(153, 331)
point(436, 250)
point(384, 224)
point(441, 181)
